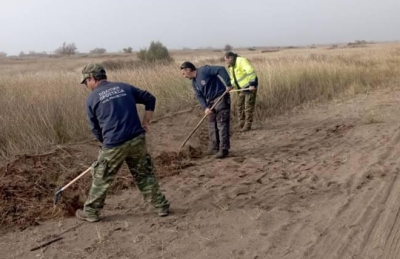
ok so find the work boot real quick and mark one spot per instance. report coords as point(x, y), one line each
point(163, 212)
point(222, 154)
point(212, 152)
point(246, 127)
point(80, 214)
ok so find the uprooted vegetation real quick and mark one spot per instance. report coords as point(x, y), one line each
point(28, 183)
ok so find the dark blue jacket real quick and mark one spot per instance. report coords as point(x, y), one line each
point(112, 113)
point(207, 84)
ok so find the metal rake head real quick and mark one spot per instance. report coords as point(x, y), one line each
point(57, 196)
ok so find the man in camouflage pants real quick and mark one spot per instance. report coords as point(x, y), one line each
point(246, 102)
point(112, 113)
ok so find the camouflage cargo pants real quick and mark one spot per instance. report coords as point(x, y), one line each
point(134, 153)
point(245, 106)
point(219, 125)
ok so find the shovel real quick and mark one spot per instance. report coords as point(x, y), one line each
point(60, 190)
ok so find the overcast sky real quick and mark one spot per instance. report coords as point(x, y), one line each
point(43, 25)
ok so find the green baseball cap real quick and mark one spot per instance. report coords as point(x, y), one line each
point(92, 69)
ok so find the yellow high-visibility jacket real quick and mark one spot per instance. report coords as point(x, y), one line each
point(243, 72)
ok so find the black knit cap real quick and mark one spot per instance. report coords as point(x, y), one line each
point(229, 54)
point(188, 64)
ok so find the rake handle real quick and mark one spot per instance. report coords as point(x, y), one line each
point(212, 107)
point(47, 243)
point(239, 90)
point(205, 116)
point(76, 179)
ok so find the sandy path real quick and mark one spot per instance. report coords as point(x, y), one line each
point(319, 183)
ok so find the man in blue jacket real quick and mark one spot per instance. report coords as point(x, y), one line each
point(114, 120)
point(207, 85)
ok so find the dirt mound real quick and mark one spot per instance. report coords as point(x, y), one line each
point(171, 163)
point(28, 184)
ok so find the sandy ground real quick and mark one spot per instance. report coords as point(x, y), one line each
point(321, 182)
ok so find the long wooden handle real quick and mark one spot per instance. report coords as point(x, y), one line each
point(47, 243)
point(205, 116)
point(76, 179)
point(240, 90)
point(212, 107)
point(198, 125)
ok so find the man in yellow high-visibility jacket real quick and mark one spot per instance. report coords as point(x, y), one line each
point(243, 76)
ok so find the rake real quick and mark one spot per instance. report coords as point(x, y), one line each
point(212, 107)
point(60, 190)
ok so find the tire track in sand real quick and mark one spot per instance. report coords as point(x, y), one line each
point(350, 231)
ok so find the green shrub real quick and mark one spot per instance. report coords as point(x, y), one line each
point(156, 52)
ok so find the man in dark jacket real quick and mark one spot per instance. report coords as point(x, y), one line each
point(207, 85)
point(114, 120)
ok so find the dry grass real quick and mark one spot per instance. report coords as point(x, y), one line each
point(42, 103)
